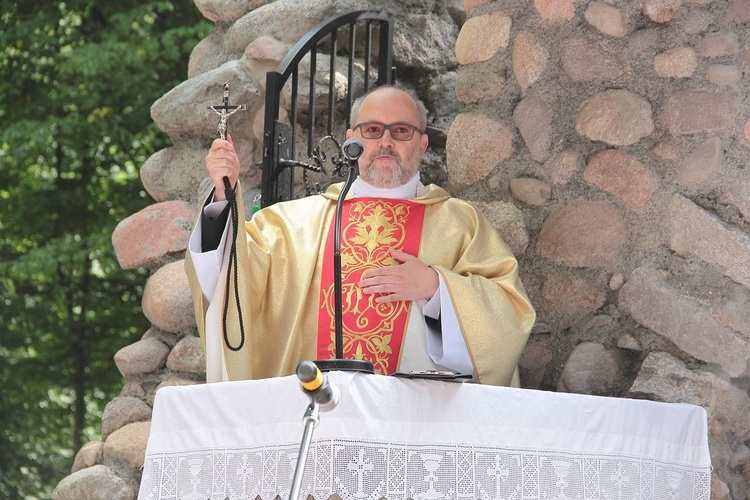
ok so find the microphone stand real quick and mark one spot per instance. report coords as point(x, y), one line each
point(323, 395)
point(352, 365)
point(312, 413)
point(311, 419)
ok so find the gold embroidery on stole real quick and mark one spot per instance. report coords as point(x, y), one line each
point(371, 331)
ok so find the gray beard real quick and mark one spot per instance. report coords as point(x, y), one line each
point(397, 177)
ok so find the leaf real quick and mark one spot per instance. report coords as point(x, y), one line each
point(382, 344)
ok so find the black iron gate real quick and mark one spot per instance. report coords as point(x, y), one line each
point(367, 53)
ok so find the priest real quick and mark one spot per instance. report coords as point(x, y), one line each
point(428, 283)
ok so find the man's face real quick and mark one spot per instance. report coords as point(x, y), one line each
point(387, 162)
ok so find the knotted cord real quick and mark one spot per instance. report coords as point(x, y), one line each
point(231, 195)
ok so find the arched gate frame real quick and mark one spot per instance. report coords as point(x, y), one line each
point(279, 139)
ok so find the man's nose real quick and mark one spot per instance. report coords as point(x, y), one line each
point(386, 139)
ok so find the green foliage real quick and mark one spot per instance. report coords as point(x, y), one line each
point(77, 79)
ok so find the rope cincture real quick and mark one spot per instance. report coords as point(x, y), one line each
point(231, 195)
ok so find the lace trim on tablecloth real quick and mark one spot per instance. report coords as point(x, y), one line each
point(373, 470)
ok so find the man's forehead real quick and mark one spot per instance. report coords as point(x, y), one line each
point(391, 102)
point(389, 94)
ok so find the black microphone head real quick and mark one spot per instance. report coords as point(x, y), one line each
point(316, 385)
point(307, 371)
point(353, 148)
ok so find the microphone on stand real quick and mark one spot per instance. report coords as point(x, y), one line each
point(316, 385)
point(323, 396)
point(352, 150)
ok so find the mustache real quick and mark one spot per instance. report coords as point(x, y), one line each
point(387, 152)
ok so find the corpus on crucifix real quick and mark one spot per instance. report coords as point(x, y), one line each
point(225, 110)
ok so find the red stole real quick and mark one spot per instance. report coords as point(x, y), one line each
point(374, 332)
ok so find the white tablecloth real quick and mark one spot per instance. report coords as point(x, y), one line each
point(422, 439)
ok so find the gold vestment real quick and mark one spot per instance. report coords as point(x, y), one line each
point(280, 257)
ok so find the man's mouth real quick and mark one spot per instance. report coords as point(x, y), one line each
point(384, 156)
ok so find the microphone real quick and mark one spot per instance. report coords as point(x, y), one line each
point(353, 148)
point(316, 385)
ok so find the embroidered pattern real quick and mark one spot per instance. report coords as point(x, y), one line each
point(355, 469)
point(371, 331)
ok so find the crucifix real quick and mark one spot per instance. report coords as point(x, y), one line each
point(225, 110)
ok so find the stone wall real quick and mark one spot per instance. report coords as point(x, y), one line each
point(607, 141)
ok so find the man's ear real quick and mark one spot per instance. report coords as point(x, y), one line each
point(425, 142)
point(349, 133)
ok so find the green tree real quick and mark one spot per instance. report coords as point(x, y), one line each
point(77, 79)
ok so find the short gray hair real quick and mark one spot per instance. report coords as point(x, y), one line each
point(421, 108)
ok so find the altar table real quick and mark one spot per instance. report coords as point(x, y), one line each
point(422, 439)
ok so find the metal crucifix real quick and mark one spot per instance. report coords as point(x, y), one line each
point(225, 110)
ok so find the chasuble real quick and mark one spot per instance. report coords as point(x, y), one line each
point(286, 285)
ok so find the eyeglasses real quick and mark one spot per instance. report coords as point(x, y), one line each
point(399, 131)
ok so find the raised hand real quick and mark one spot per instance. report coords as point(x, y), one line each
point(222, 161)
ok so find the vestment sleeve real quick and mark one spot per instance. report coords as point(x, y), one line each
point(213, 225)
point(207, 259)
point(446, 346)
point(493, 312)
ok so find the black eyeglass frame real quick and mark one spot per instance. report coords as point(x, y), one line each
point(388, 127)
